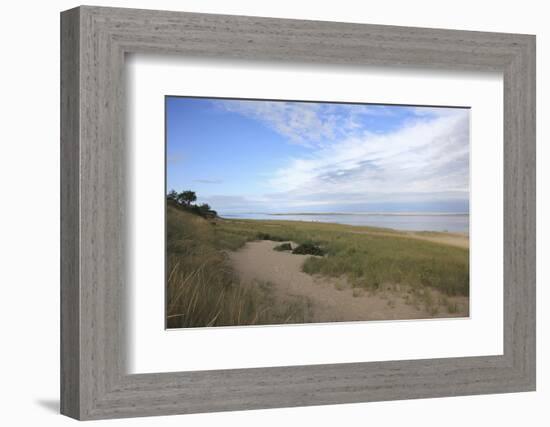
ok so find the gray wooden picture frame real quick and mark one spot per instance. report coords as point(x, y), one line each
point(94, 381)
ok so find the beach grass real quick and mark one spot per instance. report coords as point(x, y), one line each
point(367, 256)
point(202, 289)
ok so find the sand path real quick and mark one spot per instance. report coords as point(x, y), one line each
point(331, 299)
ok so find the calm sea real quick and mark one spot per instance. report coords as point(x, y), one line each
point(399, 221)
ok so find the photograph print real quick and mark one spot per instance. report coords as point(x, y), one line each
point(296, 212)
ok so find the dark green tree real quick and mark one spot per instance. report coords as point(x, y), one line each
point(172, 195)
point(186, 197)
point(205, 207)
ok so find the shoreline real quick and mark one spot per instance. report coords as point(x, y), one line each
point(355, 213)
point(453, 238)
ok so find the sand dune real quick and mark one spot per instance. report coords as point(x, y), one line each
point(332, 299)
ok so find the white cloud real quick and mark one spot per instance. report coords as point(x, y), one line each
point(424, 156)
point(307, 123)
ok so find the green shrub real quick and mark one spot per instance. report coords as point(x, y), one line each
point(283, 247)
point(308, 249)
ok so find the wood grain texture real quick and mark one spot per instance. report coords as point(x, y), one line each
point(94, 232)
point(70, 220)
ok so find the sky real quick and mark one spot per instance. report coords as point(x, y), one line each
point(255, 156)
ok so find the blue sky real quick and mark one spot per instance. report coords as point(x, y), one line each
point(275, 156)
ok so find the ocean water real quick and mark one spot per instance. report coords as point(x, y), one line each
point(458, 223)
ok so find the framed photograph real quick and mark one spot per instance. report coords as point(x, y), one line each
point(262, 213)
point(300, 212)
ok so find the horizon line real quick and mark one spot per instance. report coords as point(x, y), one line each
point(373, 213)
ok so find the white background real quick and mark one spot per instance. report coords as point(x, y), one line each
point(29, 220)
point(152, 349)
